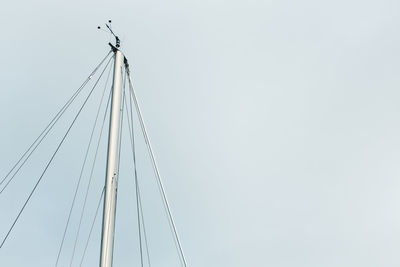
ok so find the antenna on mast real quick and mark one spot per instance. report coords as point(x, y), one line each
point(117, 40)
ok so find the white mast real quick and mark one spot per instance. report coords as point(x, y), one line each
point(112, 172)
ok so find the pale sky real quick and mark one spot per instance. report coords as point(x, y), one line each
point(275, 125)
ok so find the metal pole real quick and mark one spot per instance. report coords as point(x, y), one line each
point(110, 199)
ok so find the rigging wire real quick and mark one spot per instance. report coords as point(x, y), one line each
point(131, 133)
point(92, 226)
point(48, 128)
point(137, 188)
point(158, 179)
point(90, 177)
point(165, 207)
point(156, 171)
point(52, 158)
point(144, 227)
point(83, 165)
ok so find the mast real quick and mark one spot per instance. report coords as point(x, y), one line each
point(112, 172)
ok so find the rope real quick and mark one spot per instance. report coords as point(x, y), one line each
point(48, 128)
point(82, 168)
point(50, 161)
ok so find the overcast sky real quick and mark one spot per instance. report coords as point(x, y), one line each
point(276, 125)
